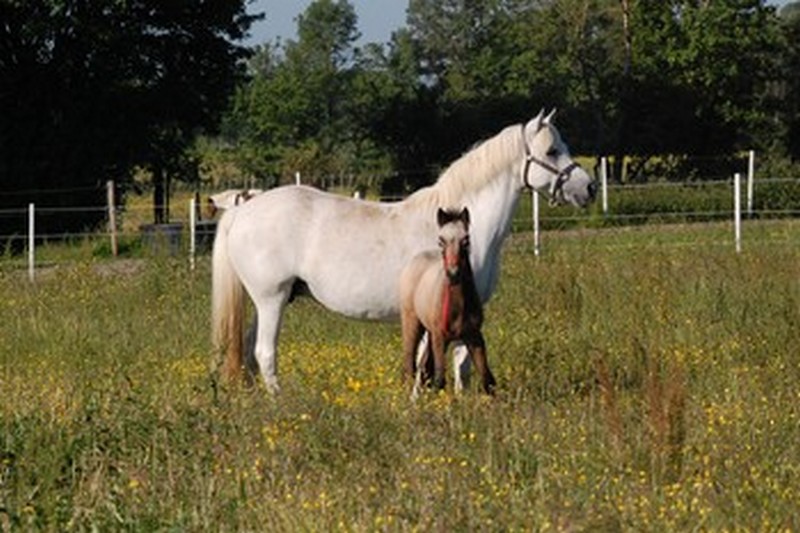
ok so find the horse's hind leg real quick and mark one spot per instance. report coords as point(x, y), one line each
point(250, 363)
point(270, 314)
point(423, 358)
point(426, 359)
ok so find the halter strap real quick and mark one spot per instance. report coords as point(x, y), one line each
point(561, 175)
point(448, 286)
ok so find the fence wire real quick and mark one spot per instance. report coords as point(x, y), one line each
point(662, 204)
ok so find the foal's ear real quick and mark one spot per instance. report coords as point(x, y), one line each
point(464, 216)
point(442, 217)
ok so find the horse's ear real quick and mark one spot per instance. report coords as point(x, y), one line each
point(536, 122)
point(442, 217)
point(549, 118)
point(464, 216)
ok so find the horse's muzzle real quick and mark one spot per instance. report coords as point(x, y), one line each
point(593, 186)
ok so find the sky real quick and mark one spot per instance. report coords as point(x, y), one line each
point(377, 19)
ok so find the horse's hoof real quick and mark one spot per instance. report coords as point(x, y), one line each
point(272, 386)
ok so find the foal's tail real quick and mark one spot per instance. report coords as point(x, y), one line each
point(227, 304)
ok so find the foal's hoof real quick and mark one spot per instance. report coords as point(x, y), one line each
point(489, 384)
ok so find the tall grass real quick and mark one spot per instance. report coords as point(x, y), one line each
point(645, 383)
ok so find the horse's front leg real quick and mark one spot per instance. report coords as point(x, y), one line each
point(462, 366)
point(477, 349)
point(423, 362)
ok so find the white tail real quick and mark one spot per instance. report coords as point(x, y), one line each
point(227, 304)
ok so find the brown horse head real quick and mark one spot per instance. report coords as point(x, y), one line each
point(453, 240)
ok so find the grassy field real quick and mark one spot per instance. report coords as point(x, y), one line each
point(648, 381)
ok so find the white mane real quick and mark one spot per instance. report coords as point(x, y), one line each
point(477, 168)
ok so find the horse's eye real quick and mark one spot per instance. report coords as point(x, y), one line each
point(552, 152)
point(442, 242)
point(465, 242)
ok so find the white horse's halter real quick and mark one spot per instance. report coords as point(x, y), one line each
point(561, 175)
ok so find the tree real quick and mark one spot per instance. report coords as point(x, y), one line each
point(308, 111)
point(465, 50)
point(89, 89)
point(631, 78)
point(789, 91)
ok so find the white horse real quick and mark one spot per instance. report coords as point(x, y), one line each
point(349, 253)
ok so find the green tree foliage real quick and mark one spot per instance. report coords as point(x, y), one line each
point(89, 89)
point(300, 114)
point(632, 78)
point(789, 91)
point(713, 59)
point(398, 111)
point(467, 52)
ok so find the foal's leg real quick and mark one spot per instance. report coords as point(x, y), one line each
point(427, 362)
point(477, 349)
point(270, 314)
point(412, 333)
point(423, 352)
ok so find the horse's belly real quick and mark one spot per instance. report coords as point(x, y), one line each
point(359, 297)
point(356, 305)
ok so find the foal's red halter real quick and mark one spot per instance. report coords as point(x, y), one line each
point(449, 261)
point(446, 309)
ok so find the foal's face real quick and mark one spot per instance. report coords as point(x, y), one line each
point(454, 242)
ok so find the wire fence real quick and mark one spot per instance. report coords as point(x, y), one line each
point(191, 233)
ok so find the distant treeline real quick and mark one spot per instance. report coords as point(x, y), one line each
point(101, 89)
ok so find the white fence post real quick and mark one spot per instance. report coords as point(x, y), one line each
point(535, 198)
point(192, 232)
point(737, 211)
point(604, 183)
point(112, 216)
point(31, 242)
point(297, 178)
point(751, 167)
